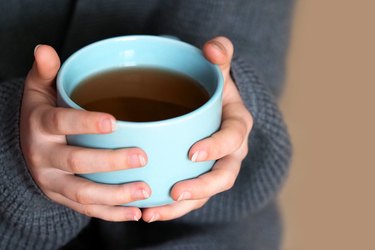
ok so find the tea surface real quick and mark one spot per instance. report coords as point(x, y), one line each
point(140, 94)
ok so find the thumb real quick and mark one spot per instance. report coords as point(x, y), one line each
point(45, 67)
point(219, 51)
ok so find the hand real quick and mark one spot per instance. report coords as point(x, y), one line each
point(53, 163)
point(228, 146)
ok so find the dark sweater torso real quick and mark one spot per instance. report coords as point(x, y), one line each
point(246, 214)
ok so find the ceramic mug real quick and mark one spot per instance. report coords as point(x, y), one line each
point(166, 142)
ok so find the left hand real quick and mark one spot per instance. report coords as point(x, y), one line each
point(228, 145)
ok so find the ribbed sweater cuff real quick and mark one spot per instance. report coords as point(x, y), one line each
point(28, 219)
point(266, 166)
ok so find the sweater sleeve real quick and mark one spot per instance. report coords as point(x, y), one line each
point(28, 219)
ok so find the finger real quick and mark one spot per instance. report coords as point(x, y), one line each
point(221, 178)
point(86, 192)
point(79, 160)
point(108, 213)
point(172, 211)
point(65, 121)
point(234, 129)
point(45, 67)
point(219, 51)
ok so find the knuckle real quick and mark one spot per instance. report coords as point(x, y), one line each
point(217, 150)
point(81, 195)
point(40, 179)
point(88, 211)
point(73, 160)
point(33, 117)
point(229, 183)
point(32, 123)
point(169, 215)
point(204, 182)
point(113, 217)
point(57, 120)
point(88, 121)
point(33, 155)
point(238, 138)
point(226, 143)
point(200, 204)
point(121, 195)
point(244, 151)
point(114, 159)
point(248, 120)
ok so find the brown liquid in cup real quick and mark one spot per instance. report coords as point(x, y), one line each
point(140, 94)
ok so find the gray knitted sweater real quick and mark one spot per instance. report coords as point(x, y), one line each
point(244, 217)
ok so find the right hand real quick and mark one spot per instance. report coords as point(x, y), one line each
point(53, 163)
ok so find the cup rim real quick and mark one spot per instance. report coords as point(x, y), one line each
point(216, 95)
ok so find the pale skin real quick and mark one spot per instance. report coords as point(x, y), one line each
point(52, 163)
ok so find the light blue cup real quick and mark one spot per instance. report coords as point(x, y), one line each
point(165, 142)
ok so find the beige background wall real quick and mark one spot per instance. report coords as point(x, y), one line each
point(329, 104)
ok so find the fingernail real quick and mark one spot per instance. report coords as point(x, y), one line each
point(136, 160)
point(140, 194)
point(107, 125)
point(199, 156)
point(36, 47)
point(154, 217)
point(113, 124)
point(132, 217)
point(184, 196)
point(145, 194)
point(142, 160)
